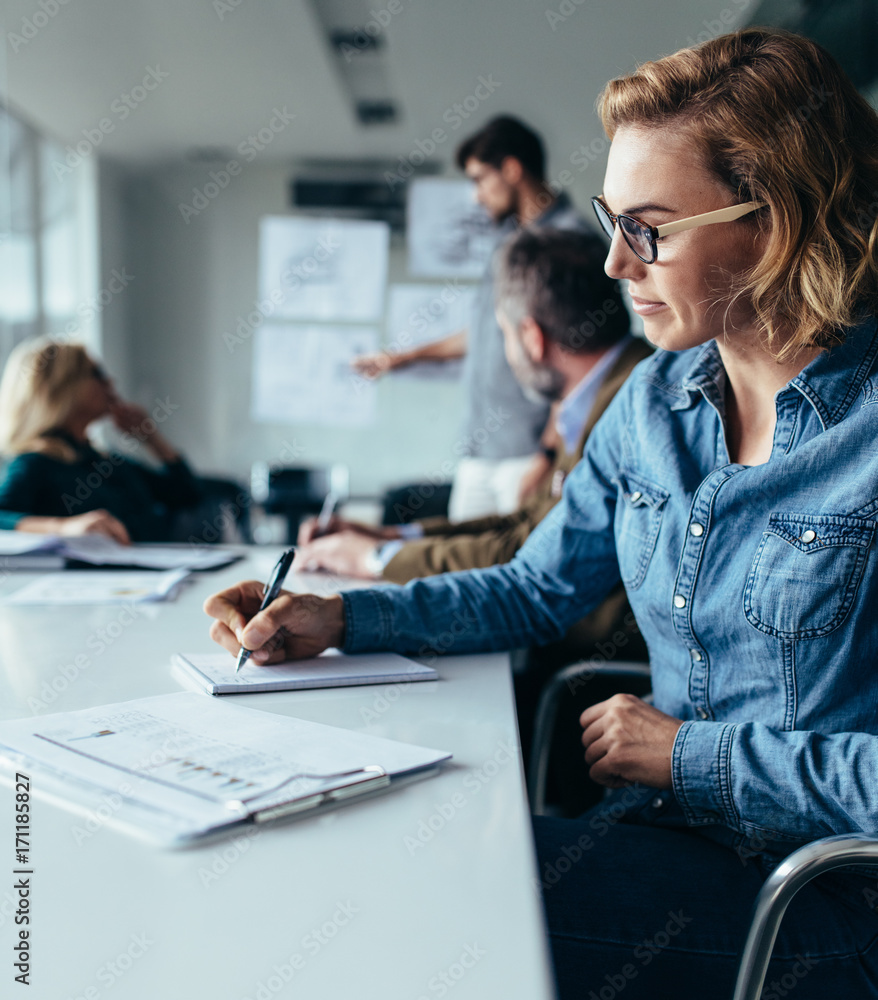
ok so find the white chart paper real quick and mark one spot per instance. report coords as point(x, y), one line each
point(303, 375)
point(98, 587)
point(419, 314)
point(449, 235)
point(326, 269)
point(182, 765)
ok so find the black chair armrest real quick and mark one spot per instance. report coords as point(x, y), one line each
point(566, 680)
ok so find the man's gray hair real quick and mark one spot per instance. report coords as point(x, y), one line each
point(557, 278)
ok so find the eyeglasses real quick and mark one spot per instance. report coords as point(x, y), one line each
point(642, 238)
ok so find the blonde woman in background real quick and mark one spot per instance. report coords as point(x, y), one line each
point(56, 481)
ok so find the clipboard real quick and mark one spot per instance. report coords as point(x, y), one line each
point(177, 769)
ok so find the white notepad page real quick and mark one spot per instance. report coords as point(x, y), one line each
point(215, 672)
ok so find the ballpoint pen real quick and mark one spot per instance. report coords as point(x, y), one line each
point(326, 512)
point(272, 589)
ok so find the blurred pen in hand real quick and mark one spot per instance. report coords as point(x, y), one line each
point(325, 516)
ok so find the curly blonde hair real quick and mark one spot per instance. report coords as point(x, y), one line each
point(778, 122)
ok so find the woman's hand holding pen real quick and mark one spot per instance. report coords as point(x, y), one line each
point(293, 627)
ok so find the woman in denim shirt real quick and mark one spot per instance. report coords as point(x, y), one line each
point(733, 487)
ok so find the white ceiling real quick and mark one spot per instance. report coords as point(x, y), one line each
point(231, 62)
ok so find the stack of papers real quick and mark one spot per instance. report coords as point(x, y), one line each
point(26, 550)
point(215, 672)
point(184, 767)
point(99, 587)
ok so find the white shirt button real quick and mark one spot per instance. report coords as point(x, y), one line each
point(697, 529)
point(808, 536)
point(702, 713)
point(679, 601)
point(635, 496)
point(695, 655)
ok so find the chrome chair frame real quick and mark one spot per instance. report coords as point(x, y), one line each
point(775, 895)
point(779, 888)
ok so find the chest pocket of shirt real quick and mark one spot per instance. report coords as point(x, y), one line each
point(806, 573)
point(638, 519)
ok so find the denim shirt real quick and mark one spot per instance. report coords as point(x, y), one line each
point(755, 587)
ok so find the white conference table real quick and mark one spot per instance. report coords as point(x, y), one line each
point(423, 892)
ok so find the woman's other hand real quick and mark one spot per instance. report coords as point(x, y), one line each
point(93, 522)
point(628, 741)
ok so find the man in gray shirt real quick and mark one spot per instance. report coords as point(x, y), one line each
point(501, 430)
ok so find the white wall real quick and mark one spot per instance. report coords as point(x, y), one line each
point(114, 256)
point(192, 282)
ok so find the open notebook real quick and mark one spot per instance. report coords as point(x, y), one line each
point(215, 672)
point(179, 767)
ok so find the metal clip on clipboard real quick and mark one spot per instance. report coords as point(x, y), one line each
point(363, 780)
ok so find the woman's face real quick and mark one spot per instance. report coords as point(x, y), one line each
point(94, 394)
point(658, 175)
